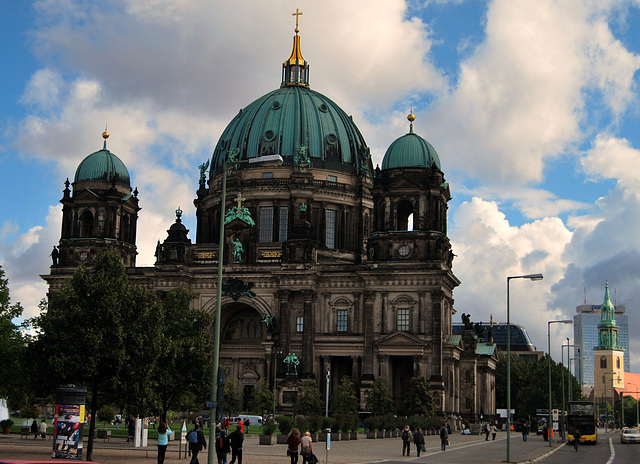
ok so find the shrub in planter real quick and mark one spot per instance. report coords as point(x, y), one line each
point(302, 424)
point(327, 423)
point(269, 427)
point(6, 424)
point(285, 424)
point(315, 423)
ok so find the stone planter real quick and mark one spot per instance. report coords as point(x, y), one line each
point(314, 437)
point(266, 439)
point(394, 434)
point(371, 434)
point(6, 430)
point(345, 436)
point(387, 433)
point(281, 439)
point(353, 435)
point(322, 436)
point(335, 436)
point(380, 434)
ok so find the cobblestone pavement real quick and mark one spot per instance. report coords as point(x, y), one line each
point(472, 448)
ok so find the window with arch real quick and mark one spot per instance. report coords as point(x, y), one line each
point(603, 362)
point(86, 224)
point(617, 362)
point(405, 215)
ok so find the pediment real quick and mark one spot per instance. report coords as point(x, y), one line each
point(403, 182)
point(400, 340)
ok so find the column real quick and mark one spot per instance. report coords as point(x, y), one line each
point(284, 321)
point(384, 311)
point(367, 368)
point(308, 332)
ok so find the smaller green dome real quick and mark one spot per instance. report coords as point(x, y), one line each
point(410, 150)
point(102, 165)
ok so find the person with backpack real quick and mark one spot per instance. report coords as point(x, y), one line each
point(196, 442)
point(222, 445)
point(407, 438)
point(418, 440)
point(235, 440)
point(306, 448)
point(444, 438)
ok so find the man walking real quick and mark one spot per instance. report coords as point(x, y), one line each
point(418, 439)
point(407, 437)
point(235, 440)
point(196, 442)
point(444, 438)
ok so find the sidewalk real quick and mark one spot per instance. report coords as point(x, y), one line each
point(467, 448)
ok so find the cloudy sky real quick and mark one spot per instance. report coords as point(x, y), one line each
point(532, 106)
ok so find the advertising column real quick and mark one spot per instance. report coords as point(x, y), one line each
point(68, 422)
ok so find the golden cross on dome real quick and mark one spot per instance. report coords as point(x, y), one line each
point(239, 199)
point(297, 15)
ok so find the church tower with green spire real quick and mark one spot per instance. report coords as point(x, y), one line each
point(608, 355)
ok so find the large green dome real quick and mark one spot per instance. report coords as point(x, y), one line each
point(102, 165)
point(410, 150)
point(294, 118)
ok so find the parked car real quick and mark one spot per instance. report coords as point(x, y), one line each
point(630, 435)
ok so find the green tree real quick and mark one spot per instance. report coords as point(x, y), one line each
point(419, 399)
point(11, 347)
point(345, 400)
point(379, 400)
point(101, 332)
point(232, 403)
point(261, 399)
point(310, 400)
point(183, 356)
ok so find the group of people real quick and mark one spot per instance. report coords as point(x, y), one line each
point(417, 439)
point(304, 445)
point(489, 429)
point(39, 429)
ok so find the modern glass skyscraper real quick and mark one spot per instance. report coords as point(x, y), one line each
point(585, 335)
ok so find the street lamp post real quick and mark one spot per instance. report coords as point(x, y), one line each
point(605, 398)
point(550, 422)
point(527, 276)
point(270, 160)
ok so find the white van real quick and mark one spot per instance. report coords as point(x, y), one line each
point(253, 420)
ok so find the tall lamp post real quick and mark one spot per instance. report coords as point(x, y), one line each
point(605, 398)
point(527, 276)
point(269, 160)
point(550, 422)
point(277, 351)
point(637, 408)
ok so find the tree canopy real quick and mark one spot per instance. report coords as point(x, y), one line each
point(419, 399)
point(345, 399)
point(379, 400)
point(11, 346)
point(310, 400)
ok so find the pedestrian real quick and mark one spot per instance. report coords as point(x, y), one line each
point(225, 424)
point(576, 438)
point(248, 424)
point(163, 441)
point(525, 431)
point(241, 424)
point(292, 445)
point(494, 431)
point(545, 432)
point(34, 428)
point(444, 438)
point(306, 448)
point(235, 440)
point(43, 429)
point(197, 442)
point(418, 439)
point(407, 438)
point(222, 445)
point(131, 429)
point(487, 430)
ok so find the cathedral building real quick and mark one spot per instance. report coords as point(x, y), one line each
point(347, 266)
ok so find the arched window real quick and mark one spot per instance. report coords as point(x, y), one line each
point(603, 362)
point(405, 215)
point(617, 362)
point(86, 224)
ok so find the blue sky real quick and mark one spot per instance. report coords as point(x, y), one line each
point(532, 106)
